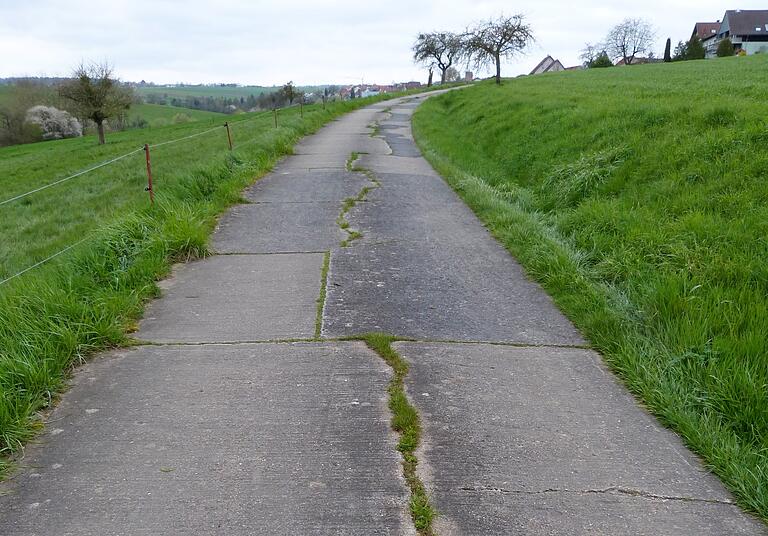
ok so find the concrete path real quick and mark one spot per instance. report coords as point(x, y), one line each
point(236, 419)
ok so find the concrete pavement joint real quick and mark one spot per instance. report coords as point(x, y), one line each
point(264, 253)
point(138, 342)
point(511, 344)
point(406, 422)
point(323, 292)
point(610, 490)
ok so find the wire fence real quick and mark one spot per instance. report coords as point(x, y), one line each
point(146, 149)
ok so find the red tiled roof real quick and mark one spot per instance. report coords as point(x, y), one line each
point(705, 30)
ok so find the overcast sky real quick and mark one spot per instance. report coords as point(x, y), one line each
point(270, 42)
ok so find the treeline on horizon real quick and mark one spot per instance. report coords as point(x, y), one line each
point(19, 95)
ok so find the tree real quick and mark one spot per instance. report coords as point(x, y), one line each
point(289, 92)
point(695, 49)
point(594, 56)
point(589, 53)
point(601, 61)
point(23, 95)
point(452, 75)
point(668, 51)
point(628, 39)
point(96, 95)
point(54, 124)
point(495, 39)
point(438, 49)
point(681, 51)
point(725, 48)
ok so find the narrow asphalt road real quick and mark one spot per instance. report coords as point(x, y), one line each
point(242, 414)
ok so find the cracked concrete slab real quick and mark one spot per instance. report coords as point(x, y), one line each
point(425, 268)
point(233, 298)
point(329, 143)
point(594, 515)
point(278, 228)
point(305, 187)
point(526, 440)
point(397, 164)
point(269, 439)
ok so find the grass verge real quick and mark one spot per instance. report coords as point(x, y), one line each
point(637, 198)
point(405, 421)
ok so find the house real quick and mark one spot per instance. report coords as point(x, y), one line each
point(707, 32)
point(746, 28)
point(637, 60)
point(548, 65)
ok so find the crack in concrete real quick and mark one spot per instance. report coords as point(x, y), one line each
point(615, 490)
point(243, 254)
point(139, 342)
point(503, 343)
point(350, 202)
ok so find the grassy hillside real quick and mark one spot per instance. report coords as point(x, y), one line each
point(87, 299)
point(156, 114)
point(638, 197)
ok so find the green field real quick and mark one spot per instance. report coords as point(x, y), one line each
point(156, 114)
point(54, 316)
point(214, 91)
point(638, 197)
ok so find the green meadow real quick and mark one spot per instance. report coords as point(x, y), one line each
point(638, 198)
point(160, 114)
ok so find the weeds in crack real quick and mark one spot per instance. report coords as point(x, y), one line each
point(350, 202)
point(323, 293)
point(405, 421)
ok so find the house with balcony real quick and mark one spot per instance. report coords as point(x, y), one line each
point(746, 28)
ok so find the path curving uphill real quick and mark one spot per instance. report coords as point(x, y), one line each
point(248, 410)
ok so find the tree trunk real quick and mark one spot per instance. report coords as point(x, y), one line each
point(498, 69)
point(100, 129)
point(429, 81)
point(442, 75)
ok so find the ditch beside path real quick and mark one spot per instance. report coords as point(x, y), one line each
point(244, 412)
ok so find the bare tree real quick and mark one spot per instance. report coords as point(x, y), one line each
point(628, 39)
point(438, 49)
point(96, 95)
point(289, 91)
point(495, 39)
point(590, 52)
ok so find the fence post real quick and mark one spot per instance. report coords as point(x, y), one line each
point(149, 176)
point(301, 107)
point(275, 111)
point(229, 135)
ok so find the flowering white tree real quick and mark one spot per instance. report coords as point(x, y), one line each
point(54, 124)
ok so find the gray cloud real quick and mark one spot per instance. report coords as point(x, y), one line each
point(269, 42)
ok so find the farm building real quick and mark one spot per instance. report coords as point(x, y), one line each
point(548, 65)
